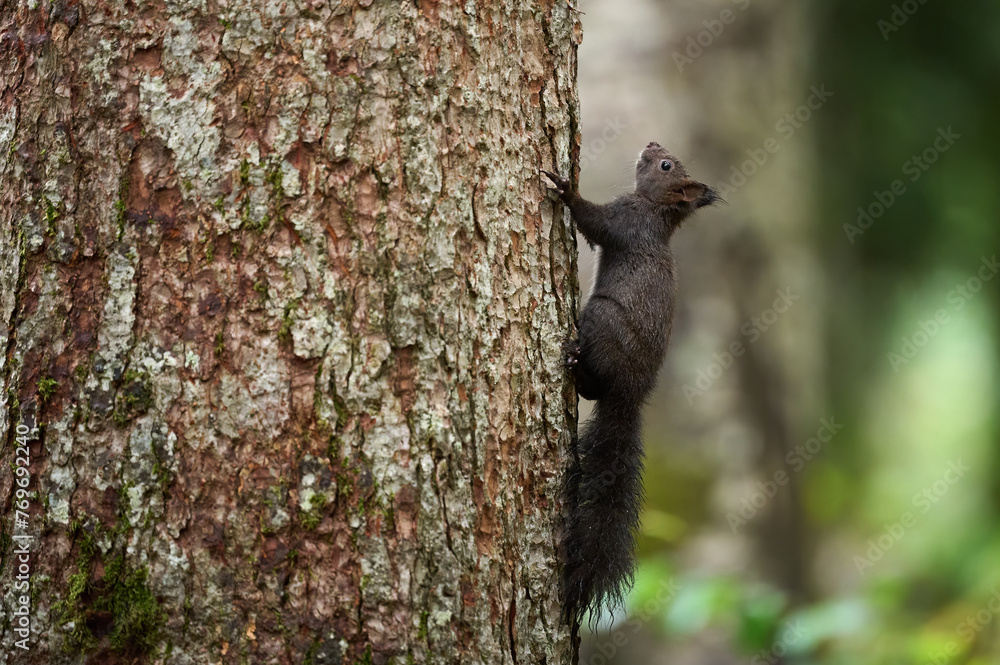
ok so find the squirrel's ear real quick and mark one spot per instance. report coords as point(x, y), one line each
point(689, 191)
point(695, 192)
point(708, 197)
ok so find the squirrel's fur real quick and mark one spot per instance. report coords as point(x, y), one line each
point(623, 335)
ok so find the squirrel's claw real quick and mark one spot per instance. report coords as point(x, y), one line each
point(561, 183)
point(572, 351)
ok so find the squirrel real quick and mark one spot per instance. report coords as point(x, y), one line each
point(623, 335)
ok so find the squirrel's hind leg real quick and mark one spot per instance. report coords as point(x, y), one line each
point(587, 385)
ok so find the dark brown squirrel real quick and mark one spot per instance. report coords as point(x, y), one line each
point(623, 335)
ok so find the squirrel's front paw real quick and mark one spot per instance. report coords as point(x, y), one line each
point(561, 183)
point(572, 351)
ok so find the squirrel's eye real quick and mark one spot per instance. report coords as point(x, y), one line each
point(666, 165)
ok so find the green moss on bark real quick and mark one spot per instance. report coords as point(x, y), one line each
point(135, 397)
point(119, 604)
point(47, 386)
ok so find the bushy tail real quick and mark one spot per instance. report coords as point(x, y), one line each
point(604, 496)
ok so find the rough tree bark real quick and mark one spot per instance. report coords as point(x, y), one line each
point(282, 303)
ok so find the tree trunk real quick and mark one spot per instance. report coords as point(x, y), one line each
point(282, 304)
point(761, 256)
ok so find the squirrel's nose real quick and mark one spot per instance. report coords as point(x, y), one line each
point(652, 144)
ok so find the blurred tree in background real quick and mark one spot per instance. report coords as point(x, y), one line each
point(825, 491)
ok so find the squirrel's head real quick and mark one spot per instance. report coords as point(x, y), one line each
point(661, 178)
